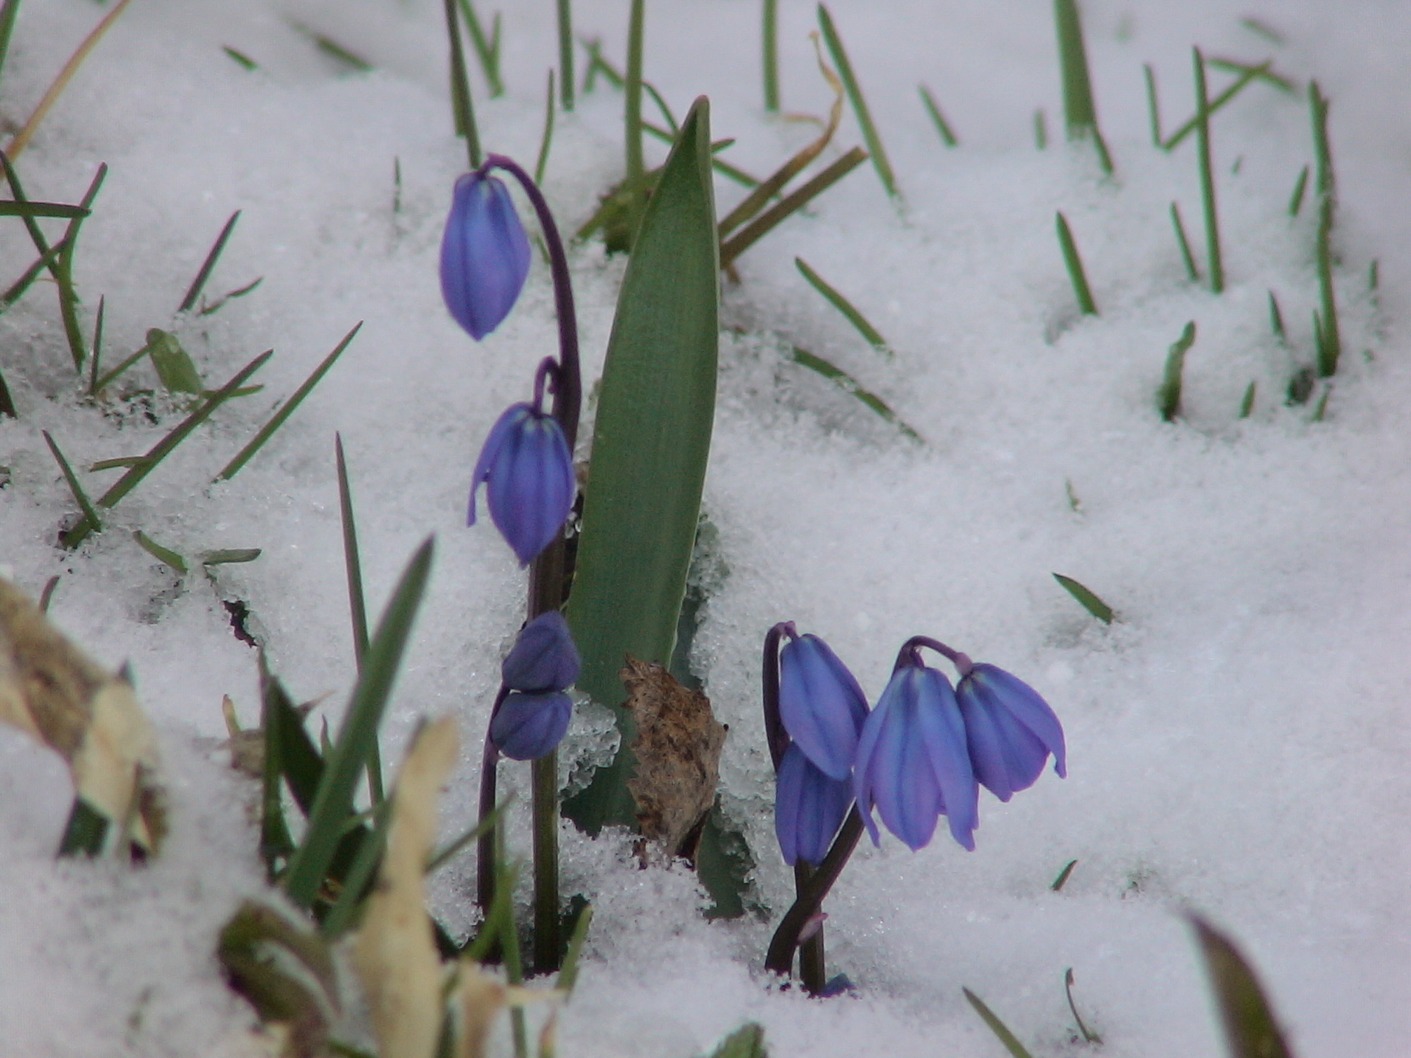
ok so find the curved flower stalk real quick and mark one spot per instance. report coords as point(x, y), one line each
point(922, 753)
point(526, 466)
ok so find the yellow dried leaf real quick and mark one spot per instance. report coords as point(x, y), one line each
point(90, 717)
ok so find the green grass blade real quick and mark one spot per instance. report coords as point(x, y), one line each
point(651, 442)
point(89, 513)
point(487, 48)
point(1079, 110)
point(163, 448)
point(226, 556)
point(568, 972)
point(85, 832)
point(357, 607)
point(240, 58)
point(276, 844)
point(1215, 105)
point(1247, 401)
point(938, 119)
point(1251, 1030)
point(1276, 317)
point(449, 852)
point(542, 162)
point(1186, 255)
point(26, 280)
point(745, 1042)
point(1207, 175)
point(7, 402)
point(1041, 129)
point(1330, 334)
point(632, 87)
point(8, 14)
point(1087, 599)
point(999, 1028)
point(1261, 72)
point(1322, 149)
point(846, 307)
point(339, 53)
point(97, 354)
point(208, 265)
point(850, 385)
point(1063, 876)
point(769, 38)
point(1152, 106)
point(565, 30)
point(286, 409)
point(41, 209)
point(344, 911)
point(1260, 28)
point(164, 555)
point(1074, 263)
point(1088, 1035)
point(789, 204)
point(462, 106)
point(358, 733)
point(859, 104)
point(1168, 397)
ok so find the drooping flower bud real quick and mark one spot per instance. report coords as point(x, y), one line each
point(543, 658)
point(528, 726)
point(820, 704)
point(809, 807)
point(484, 254)
point(1010, 730)
point(528, 476)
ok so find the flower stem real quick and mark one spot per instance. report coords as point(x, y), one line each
point(485, 847)
point(780, 957)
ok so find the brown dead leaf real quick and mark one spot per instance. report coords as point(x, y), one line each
point(677, 749)
point(50, 689)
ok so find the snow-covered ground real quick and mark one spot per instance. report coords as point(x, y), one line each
point(1238, 738)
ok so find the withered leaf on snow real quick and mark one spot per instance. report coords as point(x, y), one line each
point(678, 756)
point(89, 716)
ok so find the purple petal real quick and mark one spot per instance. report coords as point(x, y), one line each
point(484, 254)
point(543, 658)
point(510, 421)
point(530, 485)
point(528, 726)
point(943, 735)
point(809, 807)
point(821, 705)
point(895, 772)
point(999, 691)
point(1007, 756)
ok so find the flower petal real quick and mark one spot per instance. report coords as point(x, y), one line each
point(529, 481)
point(942, 732)
point(1000, 691)
point(528, 726)
point(821, 705)
point(509, 421)
point(809, 807)
point(894, 772)
point(543, 658)
point(484, 254)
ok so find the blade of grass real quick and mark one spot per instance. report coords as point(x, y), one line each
point(84, 504)
point(651, 443)
point(795, 200)
point(346, 763)
point(9, 12)
point(1330, 335)
point(107, 379)
point(85, 832)
point(568, 972)
point(1207, 175)
point(859, 105)
point(357, 608)
point(287, 409)
point(721, 166)
point(1262, 29)
point(937, 118)
point(198, 284)
point(1087, 599)
point(1063, 876)
point(565, 31)
point(165, 446)
point(21, 140)
point(1247, 401)
point(769, 40)
point(231, 295)
point(1261, 71)
point(342, 914)
point(41, 209)
point(449, 851)
point(1186, 255)
point(1251, 1030)
point(1074, 263)
point(850, 385)
point(26, 280)
point(1088, 1035)
point(1168, 397)
point(632, 86)
point(339, 53)
point(1153, 108)
point(1215, 105)
point(240, 58)
point(847, 308)
point(999, 1028)
point(1079, 110)
point(1276, 317)
point(7, 402)
point(462, 106)
point(276, 844)
point(229, 556)
point(1041, 129)
point(96, 356)
point(1300, 187)
point(164, 555)
point(487, 49)
point(542, 162)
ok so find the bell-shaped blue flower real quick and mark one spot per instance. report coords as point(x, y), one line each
point(820, 704)
point(809, 807)
point(912, 763)
point(528, 476)
point(528, 726)
point(543, 658)
point(484, 254)
point(1010, 730)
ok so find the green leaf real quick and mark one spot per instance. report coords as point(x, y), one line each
point(1250, 1028)
point(346, 763)
point(85, 831)
point(1168, 397)
point(229, 556)
point(41, 209)
point(999, 1028)
point(164, 555)
point(859, 103)
point(1079, 110)
point(1077, 275)
point(284, 969)
point(207, 267)
point(1086, 598)
point(850, 312)
point(1088, 1035)
point(848, 384)
point(1063, 875)
point(745, 1042)
point(650, 446)
point(174, 366)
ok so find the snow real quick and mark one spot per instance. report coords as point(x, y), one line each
point(1238, 738)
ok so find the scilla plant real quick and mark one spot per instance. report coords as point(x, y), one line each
point(923, 752)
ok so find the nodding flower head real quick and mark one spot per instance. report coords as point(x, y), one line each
point(528, 476)
point(543, 658)
point(820, 704)
point(809, 807)
point(1009, 729)
point(912, 763)
point(484, 254)
point(527, 726)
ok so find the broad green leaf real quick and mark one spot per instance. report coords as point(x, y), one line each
point(650, 445)
point(1087, 598)
point(1250, 1028)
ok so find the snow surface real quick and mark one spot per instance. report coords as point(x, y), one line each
point(1239, 739)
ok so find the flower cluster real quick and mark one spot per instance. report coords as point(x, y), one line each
point(533, 712)
point(922, 753)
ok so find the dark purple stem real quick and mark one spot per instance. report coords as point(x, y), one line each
point(774, 732)
point(485, 846)
point(780, 957)
point(909, 654)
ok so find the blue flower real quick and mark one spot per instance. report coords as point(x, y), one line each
point(912, 763)
point(543, 658)
point(528, 475)
point(1010, 730)
point(820, 704)
point(484, 254)
point(528, 726)
point(809, 806)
